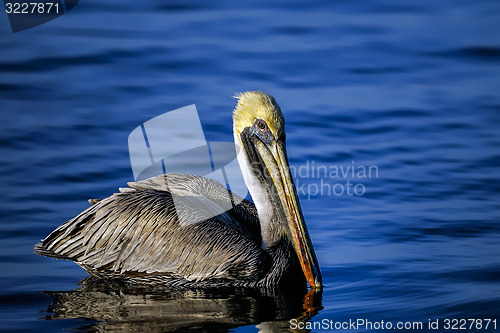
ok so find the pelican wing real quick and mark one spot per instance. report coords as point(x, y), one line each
point(182, 226)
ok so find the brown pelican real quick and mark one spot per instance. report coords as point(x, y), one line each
point(136, 236)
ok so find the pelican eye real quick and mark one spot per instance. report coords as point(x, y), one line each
point(260, 125)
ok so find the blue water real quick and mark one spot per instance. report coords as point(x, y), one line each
point(411, 89)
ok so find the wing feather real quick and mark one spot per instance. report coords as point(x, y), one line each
point(138, 232)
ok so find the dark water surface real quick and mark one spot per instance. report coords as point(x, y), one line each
point(411, 89)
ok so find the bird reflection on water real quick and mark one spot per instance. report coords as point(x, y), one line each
point(118, 307)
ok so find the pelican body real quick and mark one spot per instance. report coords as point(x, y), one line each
point(136, 235)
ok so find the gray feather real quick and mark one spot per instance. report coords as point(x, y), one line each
point(137, 233)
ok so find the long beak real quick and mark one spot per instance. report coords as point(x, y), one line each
point(276, 161)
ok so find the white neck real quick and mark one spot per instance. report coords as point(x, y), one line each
point(260, 197)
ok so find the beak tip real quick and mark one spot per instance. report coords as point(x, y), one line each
point(317, 282)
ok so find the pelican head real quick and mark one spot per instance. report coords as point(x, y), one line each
point(259, 130)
